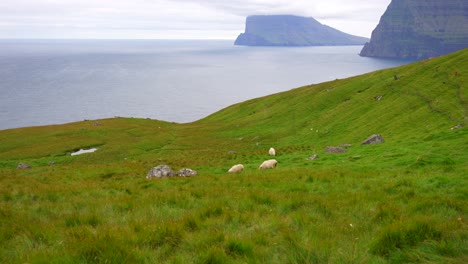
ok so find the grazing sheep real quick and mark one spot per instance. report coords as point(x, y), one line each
point(272, 152)
point(268, 164)
point(236, 168)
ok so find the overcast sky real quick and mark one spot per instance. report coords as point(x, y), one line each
point(173, 19)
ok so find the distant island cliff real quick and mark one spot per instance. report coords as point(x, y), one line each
point(420, 29)
point(289, 30)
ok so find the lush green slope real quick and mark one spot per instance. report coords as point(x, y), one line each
point(400, 201)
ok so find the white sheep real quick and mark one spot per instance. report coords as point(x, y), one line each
point(268, 164)
point(272, 152)
point(236, 168)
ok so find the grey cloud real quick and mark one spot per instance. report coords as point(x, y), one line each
point(299, 7)
point(245, 7)
point(67, 18)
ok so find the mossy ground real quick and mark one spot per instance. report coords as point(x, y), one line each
point(402, 201)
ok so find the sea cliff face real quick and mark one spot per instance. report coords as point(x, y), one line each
point(288, 30)
point(418, 29)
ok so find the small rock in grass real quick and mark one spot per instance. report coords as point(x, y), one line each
point(23, 166)
point(335, 150)
point(374, 139)
point(186, 172)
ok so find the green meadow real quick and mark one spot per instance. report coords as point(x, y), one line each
point(401, 201)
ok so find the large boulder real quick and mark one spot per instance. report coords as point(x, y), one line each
point(160, 171)
point(374, 139)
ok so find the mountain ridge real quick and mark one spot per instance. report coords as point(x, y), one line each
point(413, 29)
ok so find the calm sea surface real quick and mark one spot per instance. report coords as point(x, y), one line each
point(58, 81)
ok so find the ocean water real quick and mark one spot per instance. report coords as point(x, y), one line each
point(46, 82)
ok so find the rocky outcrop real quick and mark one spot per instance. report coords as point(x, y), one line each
point(289, 30)
point(415, 29)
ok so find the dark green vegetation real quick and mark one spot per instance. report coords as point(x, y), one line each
point(288, 30)
point(402, 201)
point(420, 29)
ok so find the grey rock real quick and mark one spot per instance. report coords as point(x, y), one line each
point(23, 166)
point(186, 172)
point(374, 139)
point(335, 150)
point(313, 157)
point(160, 171)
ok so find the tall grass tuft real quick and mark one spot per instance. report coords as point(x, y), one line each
point(402, 236)
point(238, 248)
point(103, 246)
point(297, 252)
point(213, 256)
point(170, 235)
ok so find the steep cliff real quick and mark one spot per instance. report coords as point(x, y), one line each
point(420, 29)
point(288, 30)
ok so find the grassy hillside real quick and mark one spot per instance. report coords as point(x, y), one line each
point(401, 201)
